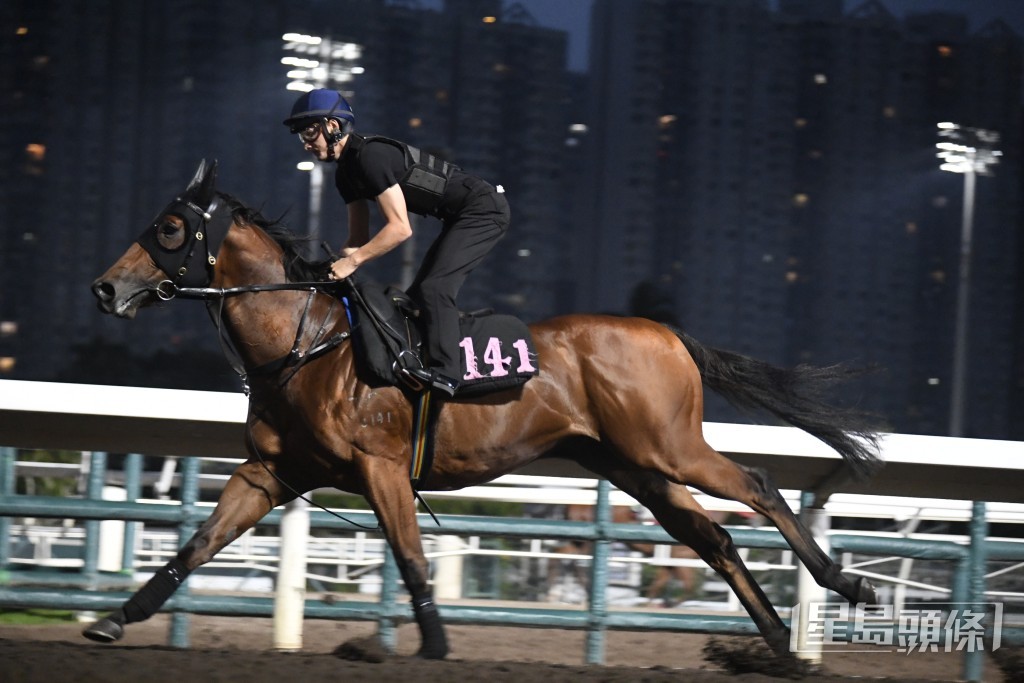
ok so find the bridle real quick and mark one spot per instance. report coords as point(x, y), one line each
point(206, 230)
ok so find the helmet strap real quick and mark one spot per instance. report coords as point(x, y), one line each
point(332, 138)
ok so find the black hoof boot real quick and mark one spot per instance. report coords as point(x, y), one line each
point(434, 650)
point(865, 592)
point(107, 630)
point(434, 643)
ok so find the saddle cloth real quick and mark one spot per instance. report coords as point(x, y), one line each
point(497, 350)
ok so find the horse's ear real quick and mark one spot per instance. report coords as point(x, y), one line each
point(197, 179)
point(204, 182)
point(208, 184)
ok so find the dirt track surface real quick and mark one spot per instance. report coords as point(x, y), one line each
point(238, 649)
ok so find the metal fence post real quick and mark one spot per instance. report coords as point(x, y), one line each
point(974, 659)
point(179, 636)
point(133, 491)
point(599, 576)
point(961, 588)
point(93, 491)
point(7, 486)
point(387, 629)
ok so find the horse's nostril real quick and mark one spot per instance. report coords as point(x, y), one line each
point(104, 291)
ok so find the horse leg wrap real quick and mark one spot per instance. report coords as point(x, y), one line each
point(434, 644)
point(156, 592)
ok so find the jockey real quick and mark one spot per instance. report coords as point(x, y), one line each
point(402, 179)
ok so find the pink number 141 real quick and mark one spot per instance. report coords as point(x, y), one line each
point(493, 357)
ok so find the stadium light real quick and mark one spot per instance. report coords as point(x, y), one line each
point(318, 62)
point(972, 152)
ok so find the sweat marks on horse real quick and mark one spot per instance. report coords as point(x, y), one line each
point(622, 397)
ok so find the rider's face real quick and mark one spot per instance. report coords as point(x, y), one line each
point(314, 141)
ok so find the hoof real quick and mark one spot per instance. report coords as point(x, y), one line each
point(106, 630)
point(433, 651)
point(739, 655)
point(865, 592)
point(362, 650)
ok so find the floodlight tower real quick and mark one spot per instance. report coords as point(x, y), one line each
point(318, 62)
point(313, 62)
point(972, 152)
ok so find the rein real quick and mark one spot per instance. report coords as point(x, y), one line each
point(167, 290)
point(295, 358)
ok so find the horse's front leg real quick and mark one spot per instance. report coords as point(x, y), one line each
point(249, 495)
point(390, 494)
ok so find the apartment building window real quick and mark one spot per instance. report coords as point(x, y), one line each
point(35, 151)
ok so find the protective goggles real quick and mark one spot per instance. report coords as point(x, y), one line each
point(308, 133)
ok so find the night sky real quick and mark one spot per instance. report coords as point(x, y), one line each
point(574, 16)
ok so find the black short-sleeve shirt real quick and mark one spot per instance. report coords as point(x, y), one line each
point(367, 167)
point(365, 174)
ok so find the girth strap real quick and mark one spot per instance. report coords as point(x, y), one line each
point(294, 359)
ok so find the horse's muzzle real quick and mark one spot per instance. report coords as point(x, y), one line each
point(110, 300)
point(105, 294)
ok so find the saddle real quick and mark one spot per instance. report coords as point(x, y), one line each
point(497, 350)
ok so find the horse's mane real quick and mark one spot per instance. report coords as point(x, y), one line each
point(297, 267)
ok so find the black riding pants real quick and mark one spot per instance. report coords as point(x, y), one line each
point(465, 239)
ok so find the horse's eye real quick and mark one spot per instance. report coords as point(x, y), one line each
point(170, 234)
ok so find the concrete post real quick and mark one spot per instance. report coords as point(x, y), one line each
point(290, 595)
point(448, 568)
point(808, 590)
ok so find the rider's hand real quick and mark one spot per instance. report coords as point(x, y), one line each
point(342, 268)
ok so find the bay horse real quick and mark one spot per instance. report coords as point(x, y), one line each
point(622, 397)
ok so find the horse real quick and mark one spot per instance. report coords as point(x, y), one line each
point(622, 397)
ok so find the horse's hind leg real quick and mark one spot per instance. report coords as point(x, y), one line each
point(718, 476)
point(686, 521)
point(249, 495)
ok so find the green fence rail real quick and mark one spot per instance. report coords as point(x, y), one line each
point(90, 589)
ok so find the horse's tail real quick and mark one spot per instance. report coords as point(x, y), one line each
point(793, 395)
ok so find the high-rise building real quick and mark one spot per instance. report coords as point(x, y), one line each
point(775, 169)
point(108, 108)
point(482, 85)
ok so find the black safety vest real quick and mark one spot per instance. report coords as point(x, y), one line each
point(425, 178)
